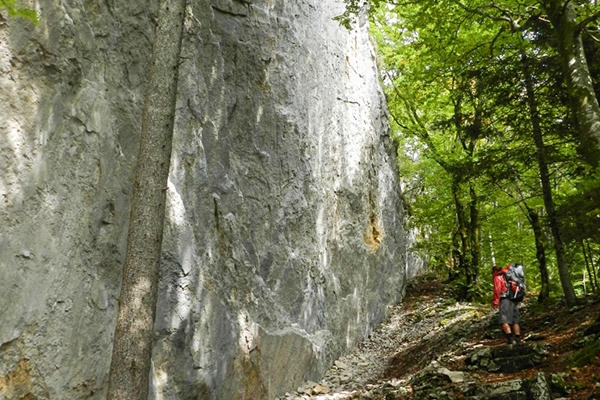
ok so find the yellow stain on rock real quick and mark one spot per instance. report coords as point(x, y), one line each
point(17, 384)
point(373, 236)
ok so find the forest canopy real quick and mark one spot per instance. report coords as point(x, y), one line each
point(494, 106)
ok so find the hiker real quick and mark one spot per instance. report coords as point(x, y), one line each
point(508, 315)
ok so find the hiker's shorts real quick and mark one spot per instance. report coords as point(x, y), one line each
point(509, 312)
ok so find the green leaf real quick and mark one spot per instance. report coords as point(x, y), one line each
point(16, 10)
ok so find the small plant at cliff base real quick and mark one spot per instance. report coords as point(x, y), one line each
point(16, 10)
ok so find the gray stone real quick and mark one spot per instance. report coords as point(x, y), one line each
point(284, 230)
point(455, 376)
point(539, 388)
point(513, 390)
point(508, 358)
point(536, 388)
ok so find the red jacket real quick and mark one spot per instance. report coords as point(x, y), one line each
point(500, 288)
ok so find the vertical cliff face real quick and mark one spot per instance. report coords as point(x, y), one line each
point(283, 238)
point(70, 106)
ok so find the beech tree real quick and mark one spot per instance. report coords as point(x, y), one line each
point(132, 347)
point(429, 46)
point(542, 162)
point(434, 99)
point(569, 19)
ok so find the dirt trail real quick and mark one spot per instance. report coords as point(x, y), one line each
point(431, 327)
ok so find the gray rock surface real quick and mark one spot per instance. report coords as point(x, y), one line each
point(283, 239)
point(509, 358)
point(70, 103)
point(399, 361)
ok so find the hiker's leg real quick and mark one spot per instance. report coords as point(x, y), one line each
point(516, 329)
point(508, 333)
point(506, 319)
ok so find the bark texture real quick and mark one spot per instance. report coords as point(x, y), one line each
point(559, 249)
point(132, 343)
point(583, 100)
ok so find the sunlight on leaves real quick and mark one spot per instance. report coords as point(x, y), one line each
point(16, 10)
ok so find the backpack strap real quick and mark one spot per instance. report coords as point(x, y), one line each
point(506, 291)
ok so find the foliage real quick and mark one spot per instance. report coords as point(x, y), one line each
point(454, 73)
point(353, 9)
point(16, 10)
point(587, 354)
point(580, 210)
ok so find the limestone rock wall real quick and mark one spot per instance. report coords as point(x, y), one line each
point(283, 238)
point(71, 92)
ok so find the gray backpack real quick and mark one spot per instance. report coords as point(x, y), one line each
point(515, 282)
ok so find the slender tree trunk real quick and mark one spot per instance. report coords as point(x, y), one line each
point(457, 259)
point(589, 272)
point(563, 267)
point(591, 256)
point(468, 224)
point(540, 254)
point(534, 220)
point(132, 347)
point(589, 266)
point(492, 253)
point(474, 236)
point(583, 101)
point(538, 235)
point(462, 230)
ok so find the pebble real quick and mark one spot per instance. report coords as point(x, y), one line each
point(351, 375)
point(359, 373)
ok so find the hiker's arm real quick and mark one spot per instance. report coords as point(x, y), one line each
point(497, 292)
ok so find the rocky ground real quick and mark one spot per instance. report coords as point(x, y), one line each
point(432, 347)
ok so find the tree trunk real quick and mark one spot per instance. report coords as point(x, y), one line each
point(540, 255)
point(462, 230)
point(474, 237)
point(589, 265)
point(130, 364)
point(582, 97)
point(457, 259)
point(563, 268)
point(591, 256)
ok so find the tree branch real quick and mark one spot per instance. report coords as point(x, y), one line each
point(581, 26)
point(422, 132)
point(513, 23)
